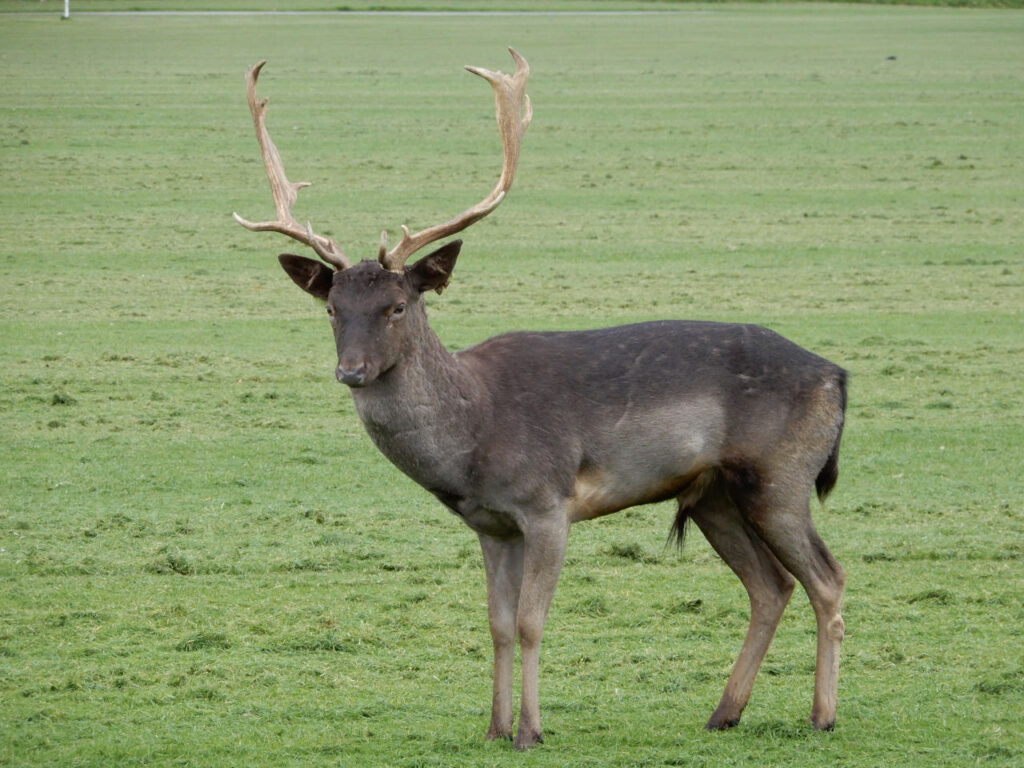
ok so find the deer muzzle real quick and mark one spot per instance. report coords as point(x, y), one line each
point(356, 376)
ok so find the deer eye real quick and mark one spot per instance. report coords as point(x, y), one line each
point(398, 310)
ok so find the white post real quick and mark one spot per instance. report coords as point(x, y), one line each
point(67, 9)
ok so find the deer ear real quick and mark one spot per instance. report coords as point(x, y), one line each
point(433, 271)
point(310, 275)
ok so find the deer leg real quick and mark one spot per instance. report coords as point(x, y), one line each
point(544, 552)
point(768, 586)
point(503, 562)
point(789, 532)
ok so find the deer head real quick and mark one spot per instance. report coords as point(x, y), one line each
point(373, 305)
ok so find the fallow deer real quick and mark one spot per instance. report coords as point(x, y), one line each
point(527, 433)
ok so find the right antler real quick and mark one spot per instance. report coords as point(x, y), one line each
point(514, 113)
point(284, 191)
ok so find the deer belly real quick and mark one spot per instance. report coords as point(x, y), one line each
point(647, 462)
point(596, 494)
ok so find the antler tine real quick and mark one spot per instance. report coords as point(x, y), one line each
point(285, 192)
point(514, 112)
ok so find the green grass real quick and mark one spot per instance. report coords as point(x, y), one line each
point(240, 6)
point(204, 562)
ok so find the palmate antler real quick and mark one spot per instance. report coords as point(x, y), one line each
point(514, 112)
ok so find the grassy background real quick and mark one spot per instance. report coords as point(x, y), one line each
point(86, 6)
point(203, 561)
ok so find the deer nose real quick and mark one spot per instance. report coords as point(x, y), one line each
point(354, 377)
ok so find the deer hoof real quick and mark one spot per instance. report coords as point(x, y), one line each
point(527, 740)
point(721, 722)
point(499, 734)
point(823, 725)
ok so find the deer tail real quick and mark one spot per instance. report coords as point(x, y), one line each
point(829, 473)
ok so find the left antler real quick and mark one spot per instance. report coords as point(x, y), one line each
point(284, 191)
point(514, 113)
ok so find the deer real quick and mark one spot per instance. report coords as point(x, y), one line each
point(526, 433)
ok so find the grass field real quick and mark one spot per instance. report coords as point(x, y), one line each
point(204, 561)
point(342, 6)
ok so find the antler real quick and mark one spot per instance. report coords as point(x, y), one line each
point(514, 113)
point(284, 191)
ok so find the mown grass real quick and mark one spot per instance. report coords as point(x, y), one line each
point(205, 562)
point(429, 6)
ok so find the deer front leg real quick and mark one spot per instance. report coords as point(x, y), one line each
point(503, 562)
point(542, 562)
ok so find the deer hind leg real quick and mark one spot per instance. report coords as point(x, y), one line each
point(784, 523)
point(768, 584)
point(503, 562)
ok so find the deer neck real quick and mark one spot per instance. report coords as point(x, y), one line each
point(423, 412)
